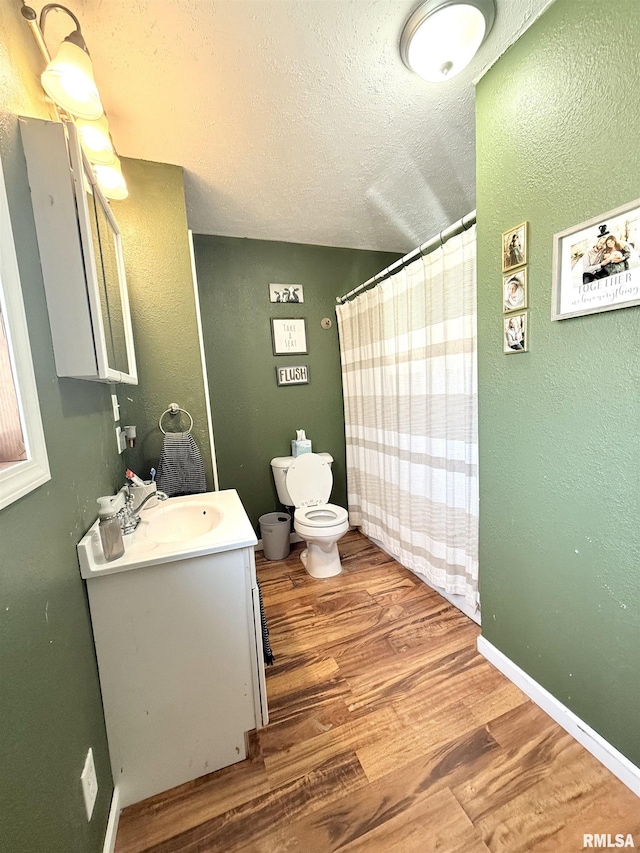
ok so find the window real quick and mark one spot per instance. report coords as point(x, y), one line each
point(23, 455)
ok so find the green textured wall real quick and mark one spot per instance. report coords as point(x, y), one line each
point(153, 221)
point(253, 419)
point(557, 130)
point(50, 708)
point(50, 704)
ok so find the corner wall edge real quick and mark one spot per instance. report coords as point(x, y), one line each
point(602, 750)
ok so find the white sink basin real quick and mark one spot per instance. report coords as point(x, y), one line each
point(179, 522)
point(189, 526)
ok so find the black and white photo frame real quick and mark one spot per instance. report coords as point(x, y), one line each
point(289, 293)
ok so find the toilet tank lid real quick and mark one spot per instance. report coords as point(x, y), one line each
point(285, 461)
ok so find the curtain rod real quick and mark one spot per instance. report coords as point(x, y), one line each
point(439, 240)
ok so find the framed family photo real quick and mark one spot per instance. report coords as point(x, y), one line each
point(514, 291)
point(516, 335)
point(596, 265)
point(514, 247)
point(289, 337)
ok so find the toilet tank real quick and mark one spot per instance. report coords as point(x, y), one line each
point(280, 466)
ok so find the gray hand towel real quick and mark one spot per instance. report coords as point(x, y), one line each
point(180, 469)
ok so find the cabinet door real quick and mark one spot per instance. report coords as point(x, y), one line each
point(81, 256)
point(176, 670)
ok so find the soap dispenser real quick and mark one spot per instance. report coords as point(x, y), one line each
point(110, 530)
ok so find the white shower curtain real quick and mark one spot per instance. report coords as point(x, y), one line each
point(409, 373)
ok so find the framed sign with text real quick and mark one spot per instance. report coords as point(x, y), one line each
point(298, 375)
point(289, 337)
point(596, 265)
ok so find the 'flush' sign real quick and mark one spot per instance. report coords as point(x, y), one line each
point(293, 375)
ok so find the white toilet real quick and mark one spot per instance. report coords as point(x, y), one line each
point(305, 482)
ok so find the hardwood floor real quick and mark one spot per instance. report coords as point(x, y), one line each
point(389, 733)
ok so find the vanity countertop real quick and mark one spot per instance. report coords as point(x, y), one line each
point(171, 531)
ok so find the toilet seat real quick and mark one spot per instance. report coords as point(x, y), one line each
point(309, 480)
point(321, 515)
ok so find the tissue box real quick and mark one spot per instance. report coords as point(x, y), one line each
point(300, 446)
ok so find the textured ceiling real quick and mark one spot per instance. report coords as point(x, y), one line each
point(295, 120)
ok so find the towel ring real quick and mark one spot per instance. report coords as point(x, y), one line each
point(173, 409)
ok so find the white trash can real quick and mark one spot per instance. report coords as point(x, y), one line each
point(274, 530)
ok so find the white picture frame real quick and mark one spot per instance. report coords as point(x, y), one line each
point(596, 265)
point(514, 291)
point(515, 335)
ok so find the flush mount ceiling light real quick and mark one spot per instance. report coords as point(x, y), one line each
point(441, 37)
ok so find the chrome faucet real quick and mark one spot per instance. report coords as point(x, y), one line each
point(129, 517)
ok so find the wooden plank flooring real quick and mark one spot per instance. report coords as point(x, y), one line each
point(389, 733)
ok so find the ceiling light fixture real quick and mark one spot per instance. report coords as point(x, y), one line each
point(441, 37)
point(68, 81)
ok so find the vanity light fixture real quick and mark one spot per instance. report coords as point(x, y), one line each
point(441, 37)
point(68, 81)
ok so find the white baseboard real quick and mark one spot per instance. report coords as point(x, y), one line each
point(112, 823)
point(613, 760)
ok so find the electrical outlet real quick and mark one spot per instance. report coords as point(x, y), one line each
point(89, 784)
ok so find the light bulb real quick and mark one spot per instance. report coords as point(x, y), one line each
point(96, 140)
point(68, 80)
point(111, 180)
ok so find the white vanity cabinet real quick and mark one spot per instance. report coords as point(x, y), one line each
point(81, 257)
point(176, 660)
point(178, 639)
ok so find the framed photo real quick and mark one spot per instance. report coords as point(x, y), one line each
point(286, 293)
point(298, 375)
point(515, 337)
point(514, 247)
point(514, 291)
point(289, 337)
point(596, 265)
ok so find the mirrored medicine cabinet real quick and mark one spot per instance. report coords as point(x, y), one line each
point(81, 256)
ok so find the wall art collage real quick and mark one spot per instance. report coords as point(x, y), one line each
point(515, 300)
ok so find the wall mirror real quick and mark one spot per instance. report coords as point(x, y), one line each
point(103, 233)
point(23, 455)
